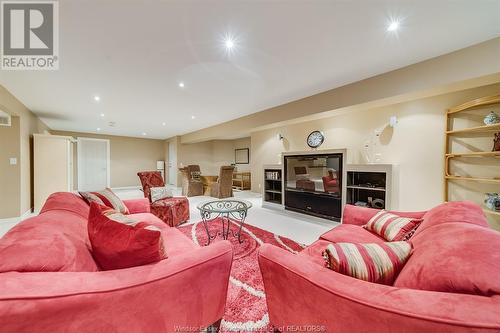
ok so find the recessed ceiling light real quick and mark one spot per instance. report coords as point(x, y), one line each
point(393, 26)
point(229, 43)
point(144, 133)
point(97, 98)
point(163, 124)
point(98, 129)
point(193, 117)
point(102, 114)
point(181, 84)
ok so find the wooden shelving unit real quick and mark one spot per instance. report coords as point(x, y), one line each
point(474, 179)
point(477, 131)
point(478, 154)
point(367, 182)
point(272, 196)
point(490, 212)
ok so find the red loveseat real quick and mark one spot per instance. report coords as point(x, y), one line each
point(449, 284)
point(50, 282)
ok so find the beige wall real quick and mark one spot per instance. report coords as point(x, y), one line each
point(127, 156)
point(10, 175)
point(416, 144)
point(474, 66)
point(27, 124)
point(211, 155)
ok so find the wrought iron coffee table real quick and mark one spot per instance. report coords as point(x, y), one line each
point(227, 210)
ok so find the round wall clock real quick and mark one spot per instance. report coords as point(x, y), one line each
point(315, 139)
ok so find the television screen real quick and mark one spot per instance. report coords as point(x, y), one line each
point(314, 173)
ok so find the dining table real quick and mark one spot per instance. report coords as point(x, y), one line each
point(207, 180)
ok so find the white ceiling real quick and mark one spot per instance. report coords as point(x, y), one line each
point(134, 53)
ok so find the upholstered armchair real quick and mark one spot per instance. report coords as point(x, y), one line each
point(223, 188)
point(174, 210)
point(330, 182)
point(191, 181)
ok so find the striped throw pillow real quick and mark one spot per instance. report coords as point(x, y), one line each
point(372, 262)
point(392, 227)
point(105, 197)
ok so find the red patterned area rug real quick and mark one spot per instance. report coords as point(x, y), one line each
point(246, 309)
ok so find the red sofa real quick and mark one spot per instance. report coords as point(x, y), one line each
point(449, 284)
point(50, 282)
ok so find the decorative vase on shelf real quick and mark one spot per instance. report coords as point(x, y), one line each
point(491, 119)
point(492, 201)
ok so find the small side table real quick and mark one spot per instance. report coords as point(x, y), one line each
point(227, 210)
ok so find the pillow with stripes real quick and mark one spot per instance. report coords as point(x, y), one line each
point(372, 262)
point(392, 227)
point(105, 197)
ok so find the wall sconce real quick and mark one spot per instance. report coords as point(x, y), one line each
point(279, 136)
point(393, 121)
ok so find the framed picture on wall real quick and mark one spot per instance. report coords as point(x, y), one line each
point(242, 156)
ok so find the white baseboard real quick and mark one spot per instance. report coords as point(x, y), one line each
point(24, 216)
point(127, 188)
point(27, 214)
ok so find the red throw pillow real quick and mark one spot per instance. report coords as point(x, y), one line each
point(120, 242)
point(105, 197)
point(392, 227)
point(378, 263)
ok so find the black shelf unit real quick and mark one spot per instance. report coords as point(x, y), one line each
point(273, 190)
point(365, 187)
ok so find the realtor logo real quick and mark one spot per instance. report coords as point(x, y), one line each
point(30, 35)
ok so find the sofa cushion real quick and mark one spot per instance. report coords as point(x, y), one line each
point(351, 233)
point(361, 215)
point(66, 201)
point(158, 193)
point(119, 242)
point(55, 241)
point(454, 257)
point(454, 211)
point(150, 219)
point(372, 262)
point(390, 226)
point(174, 241)
point(314, 252)
point(106, 197)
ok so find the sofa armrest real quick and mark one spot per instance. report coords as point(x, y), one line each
point(361, 215)
point(136, 206)
point(178, 293)
point(301, 293)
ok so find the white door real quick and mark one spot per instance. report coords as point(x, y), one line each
point(172, 173)
point(93, 164)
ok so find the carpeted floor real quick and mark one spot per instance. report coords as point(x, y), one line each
point(246, 309)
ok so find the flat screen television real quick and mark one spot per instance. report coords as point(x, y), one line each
point(313, 184)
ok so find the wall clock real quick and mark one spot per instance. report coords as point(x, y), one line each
point(315, 139)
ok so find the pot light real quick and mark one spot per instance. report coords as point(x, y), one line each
point(163, 124)
point(143, 133)
point(393, 26)
point(181, 84)
point(193, 117)
point(98, 129)
point(229, 43)
point(97, 98)
point(102, 115)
